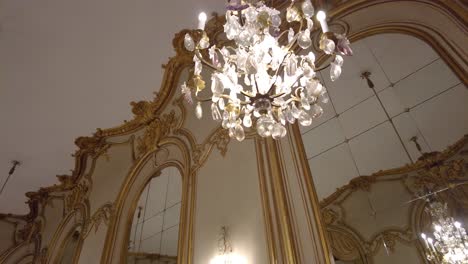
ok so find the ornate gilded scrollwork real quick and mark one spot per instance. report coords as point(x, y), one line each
point(102, 215)
point(155, 131)
point(220, 139)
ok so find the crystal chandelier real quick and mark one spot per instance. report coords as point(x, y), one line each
point(265, 76)
point(449, 242)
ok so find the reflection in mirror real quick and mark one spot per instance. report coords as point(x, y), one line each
point(70, 248)
point(379, 147)
point(155, 227)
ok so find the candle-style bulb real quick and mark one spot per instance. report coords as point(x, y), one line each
point(321, 15)
point(202, 20)
point(322, 18)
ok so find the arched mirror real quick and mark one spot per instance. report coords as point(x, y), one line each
point(70, 250)
point(155, 226)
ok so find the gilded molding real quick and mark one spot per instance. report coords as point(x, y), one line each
point(102, 215)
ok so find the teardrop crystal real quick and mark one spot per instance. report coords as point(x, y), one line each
point(304, 118)
point(239, 132)
point(307, 8)
point(198, 111)
point(304, 40)
point(327, 45)
point(335, 72)
point(189, 44)
point(215, 112)
point(305, 102)
point(295, 111)
point(290, 35)
point(231, 132)
point(289, 116)
point(277, 131)
point(204, 42)
point(247, 121)
point(292, 14)
point(316, 111)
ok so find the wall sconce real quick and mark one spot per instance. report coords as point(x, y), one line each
point(225, 254)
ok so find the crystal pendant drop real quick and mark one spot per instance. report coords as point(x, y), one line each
point(265, 126)
point(338, 60)
point(327, 45)
point(239, 132)
point(247, 121)
point(198, 111)
point(232, 27)
point(325, 98)
point(221, 103)
point(314, 88)
point(335, 72)
point(289, 116)
point(215, 112)
point(281, 117)
point(290, 35)
point(291, 66)
point(307, 8)
point(204, 42)
point(216, 86)
point(295, 111)
point(304, 118)
point(189, 44)
point(304, 40)
point(316, 111)
point(305, 102)
point(292, 14)
point(231, 132)
point(276, 21)
point(277, 131)
point(251, 14)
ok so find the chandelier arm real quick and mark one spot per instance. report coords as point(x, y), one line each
point(205, 62)
point(277, 95)
point(326, 66)
point(293, 98)
point(246, 94)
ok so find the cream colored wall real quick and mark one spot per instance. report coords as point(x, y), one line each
point(228, 195)
point(93, 246)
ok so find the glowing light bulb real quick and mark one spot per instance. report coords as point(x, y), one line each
point(321, 17)
point(202, 20)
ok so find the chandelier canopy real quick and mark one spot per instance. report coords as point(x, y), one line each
point(265, 77)
point(449, 242)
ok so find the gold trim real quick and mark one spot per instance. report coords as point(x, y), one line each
point(283, 213)
point(312, 197)
point(266, 208)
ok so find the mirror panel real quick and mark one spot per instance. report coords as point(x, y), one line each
point(155, 228)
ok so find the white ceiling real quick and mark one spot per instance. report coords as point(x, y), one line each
point(354, 136)
point(157, 229)
point(69, 67)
